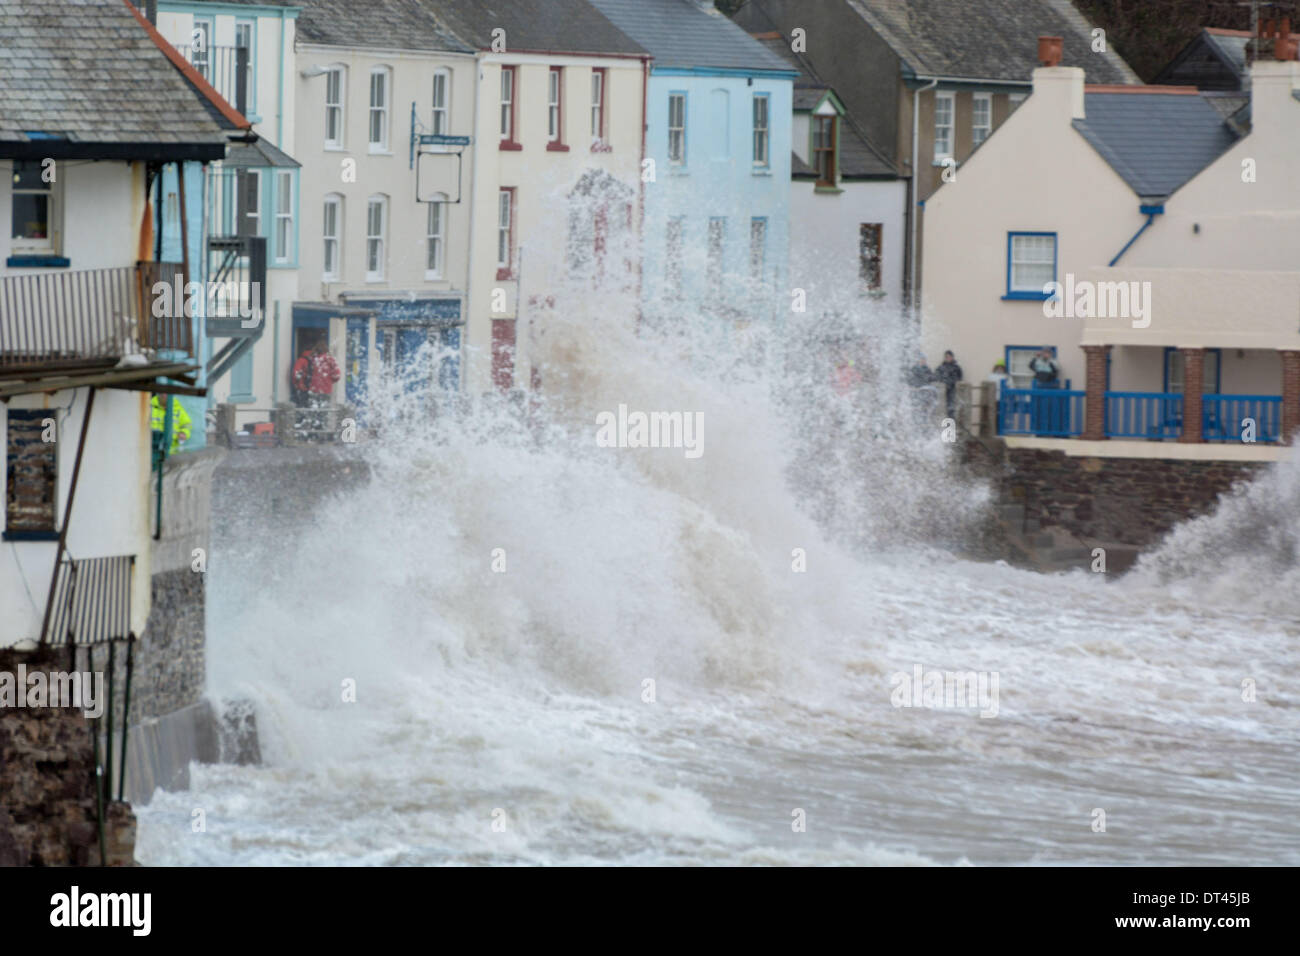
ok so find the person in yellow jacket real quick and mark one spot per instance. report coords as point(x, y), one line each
point(180, 421)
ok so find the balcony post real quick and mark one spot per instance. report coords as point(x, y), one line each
point(1290, 394)
point(1193, 389)
point(1094, 402)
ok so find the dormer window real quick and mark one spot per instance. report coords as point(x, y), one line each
point(825, 149)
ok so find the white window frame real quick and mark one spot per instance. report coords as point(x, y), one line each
point(505, 230)
point(944, 105)
point(341, 72)
point(598, 81)
point(758, 248)
point(435, 238)
point(201, 56)
point(440, 116)
point(763, 134)
point(50, 244)
point(555, 105)
point(508, 104)
point(283, 216)
point(979, 132)
point(376, 239)
point(381, 111)
point(677, 152)
point(332, 239)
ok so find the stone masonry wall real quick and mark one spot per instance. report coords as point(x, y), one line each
point(48, 812)
point(1128, 501)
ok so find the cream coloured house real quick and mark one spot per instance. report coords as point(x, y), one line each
point(557, 191)
point(1150, 238)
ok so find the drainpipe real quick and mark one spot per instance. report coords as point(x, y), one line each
point(1150, 212)
point(913, 189)
point(469, 301)
point(279, 111)
point(275, 357)
point(645, 122)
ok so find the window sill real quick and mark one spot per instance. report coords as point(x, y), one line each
point(505, 275)
point(241, 399)
point(45, 261)
point(602, 147)
point(941, 161)
point(1026, 297)
point(510, 146)
point(829, 190)
point(678, 171)
point(374, 280)
point(29, 536)
point(433, 277)
point(335, 148)
point(372, 151)
point(556, 148)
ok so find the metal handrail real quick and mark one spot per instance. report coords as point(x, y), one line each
point(70, 318)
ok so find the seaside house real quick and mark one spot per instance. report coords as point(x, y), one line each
point(557, 94)
point(247, 205)
point(1151, 244)
point(848, 204)
point(83, 338)
point(928, 81)
point(717, 163)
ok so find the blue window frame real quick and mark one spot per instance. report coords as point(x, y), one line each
point(1213, 361)
point(1028, 256)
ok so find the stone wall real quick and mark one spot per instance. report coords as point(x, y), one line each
point(48, 815)
point(1126, 501)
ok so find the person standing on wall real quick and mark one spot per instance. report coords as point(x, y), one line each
point(949, 373)
point(324, 374)
point(1048, 411)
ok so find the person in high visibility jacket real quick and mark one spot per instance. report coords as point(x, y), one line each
point(180, 421)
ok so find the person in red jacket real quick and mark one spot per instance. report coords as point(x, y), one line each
point(324, 373)
point(300, 378)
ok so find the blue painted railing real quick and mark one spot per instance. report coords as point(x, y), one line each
point(1222, 416)
point(1049, 412)
point(1149, 415)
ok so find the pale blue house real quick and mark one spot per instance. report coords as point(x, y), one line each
point(718, 154)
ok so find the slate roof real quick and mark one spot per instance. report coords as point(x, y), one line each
point(984, 39)
point(1157, 140)
point(1214, 59)
point(857, 158)
point(87, 73)
point(1231, 46)
point(457, 26)
point(377, 24)
point(687, 33)
point(555, 26)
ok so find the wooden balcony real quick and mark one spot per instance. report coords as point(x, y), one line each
point(65, 322)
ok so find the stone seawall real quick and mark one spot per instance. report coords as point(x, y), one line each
point(1053, 510)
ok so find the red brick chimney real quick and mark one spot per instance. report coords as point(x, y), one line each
point(1049, 50)
point(1284, 42)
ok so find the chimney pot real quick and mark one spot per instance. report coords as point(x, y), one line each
point(1049, 50)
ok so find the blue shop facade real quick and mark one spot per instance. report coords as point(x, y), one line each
point(417, 341)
